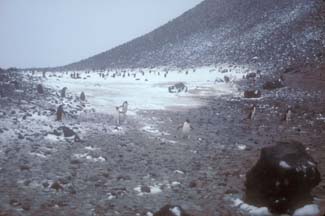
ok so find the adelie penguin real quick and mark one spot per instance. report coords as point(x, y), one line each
point(252, 113)
point(288, 115)
point(82, 96)
point(63, 92)
point(59, 113)
point(186, 129)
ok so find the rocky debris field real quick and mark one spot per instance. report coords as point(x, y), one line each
point(144, 164)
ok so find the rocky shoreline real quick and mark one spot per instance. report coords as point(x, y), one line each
point(144, 164)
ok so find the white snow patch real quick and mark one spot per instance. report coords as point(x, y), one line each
point(284, 165)
point(176, 211)
point(311, 163)
point(90, 148)
point(308, 210)
point(251, 210)
point(175, 183)
point(89, 157)
point(37, 154)
point(179, 172)
point(242, 147)
point(104, 94)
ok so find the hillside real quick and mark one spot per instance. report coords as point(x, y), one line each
point(269, 32)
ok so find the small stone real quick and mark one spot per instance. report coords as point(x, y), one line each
point(145, 189)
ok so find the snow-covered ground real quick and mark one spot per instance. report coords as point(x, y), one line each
point(148, 88)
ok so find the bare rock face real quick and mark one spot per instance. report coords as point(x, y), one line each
point(169, 210)
point(283, 178)
point(252, 94)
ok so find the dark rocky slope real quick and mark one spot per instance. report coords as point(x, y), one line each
point(271, 33)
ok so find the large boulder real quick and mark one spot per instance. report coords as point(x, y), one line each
point(169, 210)
point(283, 178)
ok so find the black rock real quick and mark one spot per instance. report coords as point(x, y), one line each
point(145, 189)
point(67, 132)
point(252, 94)
point(271, 85)
point(20, 136)
point(40, 89)
point(283, 178)
point(251, 76)
point(56, 133)
point(170, 210)
point(56, 186)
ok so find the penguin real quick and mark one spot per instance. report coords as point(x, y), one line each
point(288, 115)
point(186, 129)
point(117, 116)
point(59, 113)
point(252, 113)
point(40, 89)
point(63, 91)
point(82, 96)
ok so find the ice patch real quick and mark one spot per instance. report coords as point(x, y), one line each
point(308, 210)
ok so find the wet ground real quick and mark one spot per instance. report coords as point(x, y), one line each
point(145, 164)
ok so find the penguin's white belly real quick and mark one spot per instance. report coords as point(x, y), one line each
point(186, 128)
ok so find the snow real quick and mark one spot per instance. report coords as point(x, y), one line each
point(284, 165)
point(251, 210)
point(106, 93)
point(176, 211)
point(308, 210)
point(242, 147)
point(89, 157)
